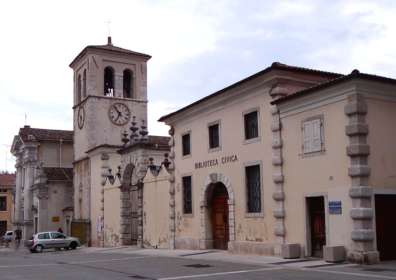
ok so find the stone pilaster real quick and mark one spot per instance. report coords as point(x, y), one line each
point(172, 203)
point(18, 218)
point(278, 179)
point(363, 234)
point(30, 163)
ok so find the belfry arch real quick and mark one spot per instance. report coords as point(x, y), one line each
point(206, 235)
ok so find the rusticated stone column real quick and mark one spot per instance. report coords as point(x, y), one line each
point(172, 203)
point(278, 179)
point(363, 235)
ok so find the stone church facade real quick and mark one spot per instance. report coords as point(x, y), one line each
point(44, 178)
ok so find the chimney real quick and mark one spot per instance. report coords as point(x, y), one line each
point(109, 41)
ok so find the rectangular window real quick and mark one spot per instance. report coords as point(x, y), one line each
point(214, 141)
point(3, 203)
point(253, 187)
point(187, 195)
point(186, 145)
point(312, 136)
point(251, 125)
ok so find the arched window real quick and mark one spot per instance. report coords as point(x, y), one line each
point(127, 83)
point(108, 81)
point(84, 84)
point(79, 89)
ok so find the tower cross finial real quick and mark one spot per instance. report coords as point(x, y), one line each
point(109, 33)
point(108, 28)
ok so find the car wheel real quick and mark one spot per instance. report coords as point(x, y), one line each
point(73, 245)
point(39, 248)
point(32, 251)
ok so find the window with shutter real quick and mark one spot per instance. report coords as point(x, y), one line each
point(312, 136)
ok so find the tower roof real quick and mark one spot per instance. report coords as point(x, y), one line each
point(109, 47)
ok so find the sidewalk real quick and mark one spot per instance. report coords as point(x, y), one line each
point(217, 255)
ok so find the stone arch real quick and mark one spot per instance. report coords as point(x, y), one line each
point(206, 241)
point(127, 175)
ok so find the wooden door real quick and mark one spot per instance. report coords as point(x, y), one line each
point(317, 225)
point(3, 228)
point(385, 209)
point(220, 221)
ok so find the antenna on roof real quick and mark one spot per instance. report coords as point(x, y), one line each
point(109, 33)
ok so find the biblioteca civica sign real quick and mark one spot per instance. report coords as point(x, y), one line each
point(216, 161)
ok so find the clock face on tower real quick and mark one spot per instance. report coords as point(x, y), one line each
point(119, 114)
point(80, 117)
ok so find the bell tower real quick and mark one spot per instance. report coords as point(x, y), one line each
point(110, 88)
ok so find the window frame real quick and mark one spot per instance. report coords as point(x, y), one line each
point(322, 136)
point(183, 195)
point(218, 148)
point(182, 145)
point(247, 213)
point(5, 203)
point(255, 139)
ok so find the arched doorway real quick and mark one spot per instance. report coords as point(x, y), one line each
point(218, 208)
point(216, 186)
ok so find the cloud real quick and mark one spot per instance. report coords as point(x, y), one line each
point(198, 47)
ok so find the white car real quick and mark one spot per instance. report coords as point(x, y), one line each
point(51, 239)
point(8, 236)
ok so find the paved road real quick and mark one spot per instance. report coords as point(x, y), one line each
point(137, 264)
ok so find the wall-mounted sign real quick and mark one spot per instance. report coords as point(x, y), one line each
point(335, 207)
point(216, 161)
point(55, 219)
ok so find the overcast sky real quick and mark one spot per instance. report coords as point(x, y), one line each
point(197, 47)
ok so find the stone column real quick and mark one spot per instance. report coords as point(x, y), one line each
point(118, 85)
point(363, 234)
point(278, 179)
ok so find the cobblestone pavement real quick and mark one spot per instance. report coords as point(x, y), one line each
point(132, 263)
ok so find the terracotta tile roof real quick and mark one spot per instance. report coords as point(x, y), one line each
point(58, 173)
point(353, 75)
point(45, 134)
point(111, 48)
point(158, 140)
point(274, 66)
point(7, 179)
point(160, 143)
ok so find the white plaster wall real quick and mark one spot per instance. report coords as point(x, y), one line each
point(319, 174)
point(112, 217)
point(96, 188)
point(230, 114)
point(382, 138)
point(156, 231)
